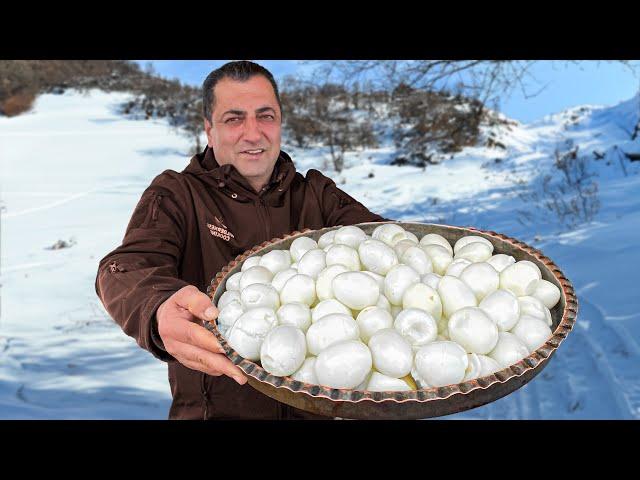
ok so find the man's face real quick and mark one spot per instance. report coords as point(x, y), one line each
point(245, 127)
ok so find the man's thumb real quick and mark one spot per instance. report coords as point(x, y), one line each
point(210, 313)
point(199, 305)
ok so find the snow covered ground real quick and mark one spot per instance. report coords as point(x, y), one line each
point(74, 168)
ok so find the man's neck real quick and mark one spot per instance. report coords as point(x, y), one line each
point(257, 185)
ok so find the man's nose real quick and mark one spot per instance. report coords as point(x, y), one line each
point(252, 131)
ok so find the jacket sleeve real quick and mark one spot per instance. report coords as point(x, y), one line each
point(339, 208)
point(135, 278)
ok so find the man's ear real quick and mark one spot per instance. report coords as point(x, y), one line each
point(207, 129)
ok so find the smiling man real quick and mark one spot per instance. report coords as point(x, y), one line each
point(241, 191)
point(244, 126)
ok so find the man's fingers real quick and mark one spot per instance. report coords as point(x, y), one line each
point(192, 334)
point(199, 304)
point(211, 363)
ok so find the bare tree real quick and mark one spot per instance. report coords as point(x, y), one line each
point(571, 193)
point(487, 81)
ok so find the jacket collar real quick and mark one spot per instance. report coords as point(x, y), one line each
point(228, 179)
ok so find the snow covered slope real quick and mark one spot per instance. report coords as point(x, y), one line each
point(73, 167)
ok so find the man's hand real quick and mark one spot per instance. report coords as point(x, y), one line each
point(191, 344)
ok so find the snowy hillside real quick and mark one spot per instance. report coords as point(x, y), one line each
point(73, 169)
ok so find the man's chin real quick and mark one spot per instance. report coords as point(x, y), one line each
point(254, 168)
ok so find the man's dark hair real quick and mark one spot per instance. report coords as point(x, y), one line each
point(240, 71)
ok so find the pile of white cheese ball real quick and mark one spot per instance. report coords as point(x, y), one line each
point(386, 312)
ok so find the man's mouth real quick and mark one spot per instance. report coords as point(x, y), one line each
point(254, 153)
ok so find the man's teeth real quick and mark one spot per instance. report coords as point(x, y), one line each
point(253, 151)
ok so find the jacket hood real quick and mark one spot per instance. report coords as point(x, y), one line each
point(228, 179)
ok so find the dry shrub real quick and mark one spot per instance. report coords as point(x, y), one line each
point(17, 104)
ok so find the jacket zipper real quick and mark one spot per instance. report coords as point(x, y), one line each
point(205, 399)
point(265, 218)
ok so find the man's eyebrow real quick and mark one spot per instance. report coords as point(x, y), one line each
point(265, 109)
point(234, 112)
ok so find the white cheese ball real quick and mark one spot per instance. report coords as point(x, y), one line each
point(296, 314)
point(343, 255)
point(501, 261)
point(356, 290)
point(372, 319)
point(397, 281)
point(402, 246)
point(227, 297)
point(391, 352)
point(260, 295)
point(405, 236)
point(395, 310)
point(547, 293)
point(249, 331)
point(276, 261)
point(307, 372)
point(327, 307)
point(376, 231)
point(416, 326)
point(383, 303)
point(509, 350)
point(329, 366)
point(481, 278)
point(441, 363)
point(312, 263)
point(299, 288)
point(331, 329)
point(473, 330)
point(302, 245)
point(520, 279)
point(532, 265)
point(487, 365)
point(424, 297)
point(410, 236)
point(431, 279)
point(454, 295)
point(383, 383)
point(281, 278)
point(440, 257)
point(350, 236)
point(326, 239)
point(365, 382)
point(283, 350)
point(435, 239)
point(532, 331)
point(420, 382)
point(473, 369)
point(417, 259)
point(455, 268)
point(389, 233)
point(378, 278)
point(233, 282)
point(475, 252)
point(255, 274)
point(469, 239)
point(503, 308)
point(250, 262)
point(535, 308)
point(377, 257)
point(229, 314)
point(324, 287)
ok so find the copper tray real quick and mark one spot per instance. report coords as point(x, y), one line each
point(432, 402)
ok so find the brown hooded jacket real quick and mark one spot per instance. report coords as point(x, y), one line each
point(184, 229)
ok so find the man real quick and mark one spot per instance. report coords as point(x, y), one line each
point(239, 192)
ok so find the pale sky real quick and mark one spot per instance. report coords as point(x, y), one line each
point(558, 85)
